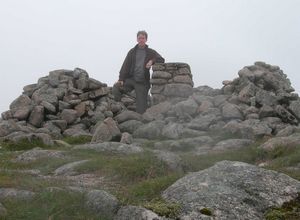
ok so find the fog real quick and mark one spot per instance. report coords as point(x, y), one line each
point(215, 37)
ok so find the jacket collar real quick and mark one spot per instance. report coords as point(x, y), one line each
point(136, 46)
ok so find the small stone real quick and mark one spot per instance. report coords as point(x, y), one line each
point(126, 138)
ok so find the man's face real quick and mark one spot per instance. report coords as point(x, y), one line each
point(141, 39)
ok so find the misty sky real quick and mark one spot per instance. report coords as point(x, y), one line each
point(215, 37)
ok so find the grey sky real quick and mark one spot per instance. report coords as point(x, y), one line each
point(215, 37)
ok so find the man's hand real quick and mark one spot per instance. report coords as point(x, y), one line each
point(119, 83)
point(149, 64)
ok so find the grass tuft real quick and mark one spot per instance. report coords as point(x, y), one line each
point(77, 140)
point(51, 205)
point(23, 144)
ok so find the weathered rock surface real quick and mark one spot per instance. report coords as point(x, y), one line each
point(102, 203)
point(290, 141)
point(152, 130)
point(108, 130)
point(173, 160)
point(260, 102)
point(183, 144)
point(232, 144)
point(11, 193)
point(111, 147)
point(69, 169)
point(231, 190)
point(136, 213)
point(37, 154)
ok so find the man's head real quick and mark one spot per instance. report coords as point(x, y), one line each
point(141, 38)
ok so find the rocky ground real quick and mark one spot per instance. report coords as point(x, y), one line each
point(68, 150)
point(213, 176)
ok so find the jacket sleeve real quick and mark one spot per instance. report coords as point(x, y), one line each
point(125, 67)
point(158, 58)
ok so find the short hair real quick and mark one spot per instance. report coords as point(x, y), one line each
point(142, 33)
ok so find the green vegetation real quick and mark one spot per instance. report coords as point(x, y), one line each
point(206, 211)
point(146, 190)
point(193, 163)
point(77, 140)
point(23, 144)
point(49, 205)
point(163, 208)
point(137, 179)
point(288, 211)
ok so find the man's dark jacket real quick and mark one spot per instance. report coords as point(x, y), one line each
point(129, 63)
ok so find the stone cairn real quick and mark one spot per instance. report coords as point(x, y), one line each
point(64, 103)
point(259, 102)
point(171, 80)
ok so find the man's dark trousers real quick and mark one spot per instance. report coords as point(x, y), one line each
point(141, 91)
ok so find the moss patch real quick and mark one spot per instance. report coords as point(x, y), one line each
point(163, 208)
point(206, 211)
point(288, 211)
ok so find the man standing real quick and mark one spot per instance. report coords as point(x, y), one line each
point(135, 74)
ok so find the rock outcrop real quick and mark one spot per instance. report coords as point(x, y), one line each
point(231, 190)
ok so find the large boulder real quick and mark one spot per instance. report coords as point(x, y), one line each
point(106, 131)
point(231, 111)
point(151, 130)
point(231, 190)
point(69, 115)
point(290, 141)
point(249, 129)
point(21, 102)
point(202, 122)
point(157, 111)
point(102, 203)
point(187, 107)
point(130, 126)
point(128, 115)
point(36, 117)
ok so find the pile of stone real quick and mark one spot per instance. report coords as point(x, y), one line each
point(262, 92)
point(171, 80)
point(65, 102)
point(260, 102)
